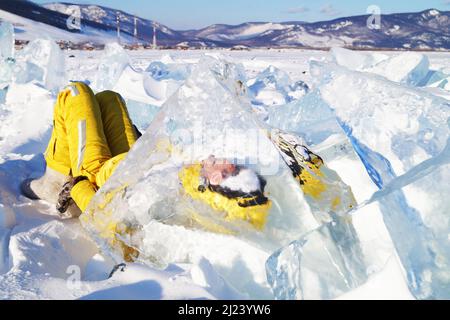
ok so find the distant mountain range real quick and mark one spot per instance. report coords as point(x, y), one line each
point(427, 30)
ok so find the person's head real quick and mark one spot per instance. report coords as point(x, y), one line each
point(217, 170)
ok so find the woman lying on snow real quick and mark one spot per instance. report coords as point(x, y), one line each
point(92, 135)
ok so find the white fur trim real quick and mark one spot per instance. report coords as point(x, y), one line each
point(246, 181)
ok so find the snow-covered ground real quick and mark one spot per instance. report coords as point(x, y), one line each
point(43, 257)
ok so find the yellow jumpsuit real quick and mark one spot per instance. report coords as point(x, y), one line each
point(91, 135)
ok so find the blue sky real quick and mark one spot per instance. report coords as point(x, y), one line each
point(189, 14)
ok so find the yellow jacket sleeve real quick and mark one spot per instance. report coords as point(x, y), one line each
point(82, 193)
point(108, 169)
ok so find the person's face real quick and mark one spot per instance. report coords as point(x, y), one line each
point(217, 170)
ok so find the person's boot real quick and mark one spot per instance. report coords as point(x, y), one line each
point(48, 188)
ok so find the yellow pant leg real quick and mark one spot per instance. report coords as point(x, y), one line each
point(88, 147)
point(120, 135)
point(117, 125)
point(57, 153)
point(108, 168)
